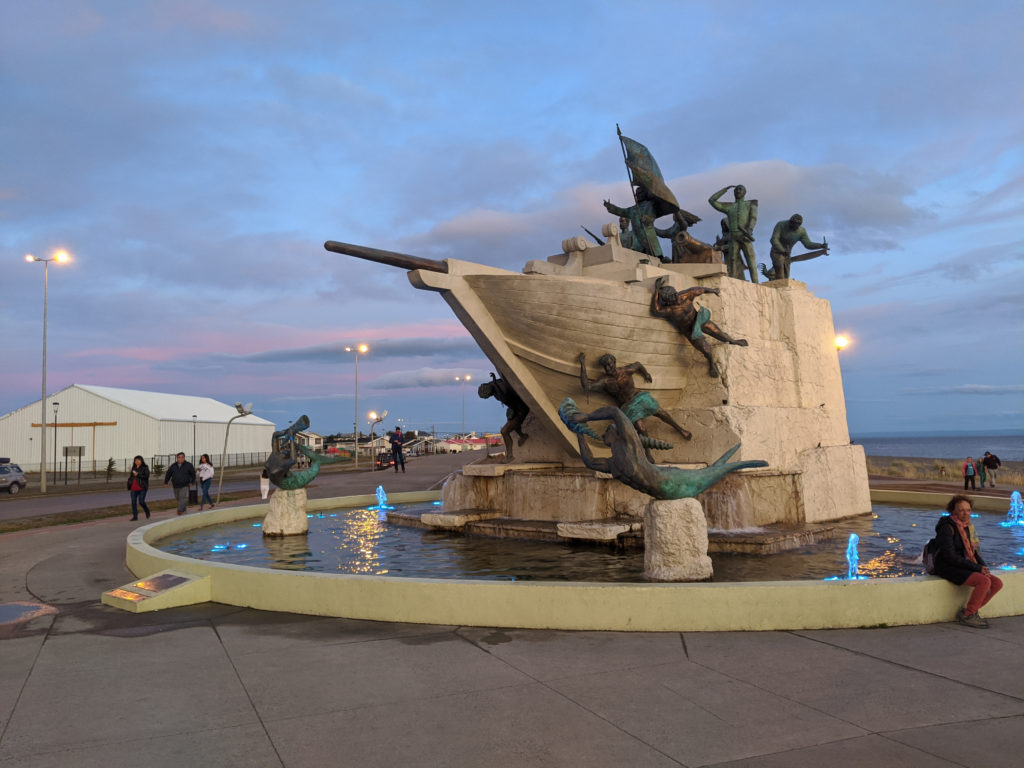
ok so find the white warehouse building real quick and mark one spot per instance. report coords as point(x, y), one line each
point(94, 424)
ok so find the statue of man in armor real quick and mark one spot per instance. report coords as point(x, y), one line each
point(741, 216)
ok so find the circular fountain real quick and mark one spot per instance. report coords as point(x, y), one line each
point(709, 606)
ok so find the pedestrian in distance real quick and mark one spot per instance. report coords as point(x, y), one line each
point(205, 472)
point(181, 474)
point(969, 471)
point(138, 484)
point(958, 559)
point(979, 467)
point(991, 463)
point(397, 445)
point(264, 484)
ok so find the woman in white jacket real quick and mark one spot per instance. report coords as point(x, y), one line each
point(205, 472)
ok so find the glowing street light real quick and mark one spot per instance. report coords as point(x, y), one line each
point(60, 257)
point(358, 349)
point(243, 410)
point(463, 379)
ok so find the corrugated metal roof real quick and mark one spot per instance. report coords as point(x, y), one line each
point(165, 407)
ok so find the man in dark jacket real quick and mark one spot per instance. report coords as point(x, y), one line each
point(397, 447)
point(992, 463)
point(181, 474)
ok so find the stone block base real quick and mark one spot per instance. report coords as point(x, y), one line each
point(454, 520)
point(287, 515)
point(594, 530)
point(676, 541)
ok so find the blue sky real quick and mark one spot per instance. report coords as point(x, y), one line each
point(193, 156)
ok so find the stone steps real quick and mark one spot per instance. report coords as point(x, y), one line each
point(625, 533)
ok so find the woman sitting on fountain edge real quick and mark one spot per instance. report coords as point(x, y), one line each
point(958, 559)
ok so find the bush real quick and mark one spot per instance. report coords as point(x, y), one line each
point(900, 468)
point(110, 468)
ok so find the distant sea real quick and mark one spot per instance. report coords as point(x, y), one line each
point(1006, 447)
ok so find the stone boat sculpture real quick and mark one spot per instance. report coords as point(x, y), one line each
point(781, 397)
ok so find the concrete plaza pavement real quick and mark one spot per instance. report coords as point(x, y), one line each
point(82, 684)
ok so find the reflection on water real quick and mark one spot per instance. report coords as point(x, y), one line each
point(358, 541)
point(290, 553)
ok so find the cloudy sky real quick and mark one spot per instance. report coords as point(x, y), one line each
point(194, 155)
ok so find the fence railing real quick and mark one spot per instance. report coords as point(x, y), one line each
point(72, 468)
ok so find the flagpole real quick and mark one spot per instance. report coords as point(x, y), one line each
point(632, 189)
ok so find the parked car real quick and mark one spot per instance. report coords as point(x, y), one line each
point(11, 477)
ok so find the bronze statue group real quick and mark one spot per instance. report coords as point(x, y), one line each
point(652, 199)
point(631, 460)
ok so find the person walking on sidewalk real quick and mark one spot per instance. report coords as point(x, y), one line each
point(181, 474)
point(397, 444)
point(958, 559)
point(138, 484)
point(991, 463)
point(205, 473)
point(969, 470)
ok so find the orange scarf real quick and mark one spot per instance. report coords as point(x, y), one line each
point(968, 549)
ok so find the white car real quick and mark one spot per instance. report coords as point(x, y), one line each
point(11, 477)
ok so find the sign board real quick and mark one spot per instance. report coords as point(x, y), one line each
point(74, 451)
point(161, 590)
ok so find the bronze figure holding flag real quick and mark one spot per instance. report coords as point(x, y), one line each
point(652, 198)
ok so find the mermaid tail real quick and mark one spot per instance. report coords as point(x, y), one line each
point(567, 410)
point(295, 480)
point(689, 483)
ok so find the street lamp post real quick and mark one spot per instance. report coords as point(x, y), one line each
point(243, 410)
point(358, 349)
point(59, 256)
point(55, 405)
point(463, 379)
point(375, 420)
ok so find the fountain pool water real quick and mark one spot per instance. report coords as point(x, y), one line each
point(359, 541)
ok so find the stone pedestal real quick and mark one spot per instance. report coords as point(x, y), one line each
point(287, 515)
point(676, 541)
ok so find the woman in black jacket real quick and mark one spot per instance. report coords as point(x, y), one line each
point(138, 484)
point(958, 559)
